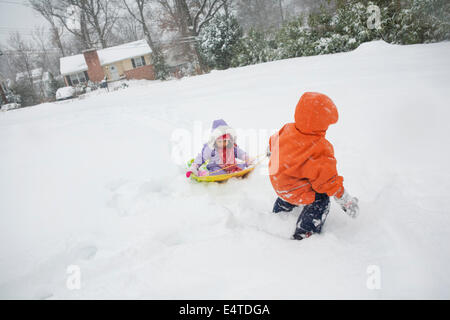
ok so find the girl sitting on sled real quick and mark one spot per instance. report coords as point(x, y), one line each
point(221, 152)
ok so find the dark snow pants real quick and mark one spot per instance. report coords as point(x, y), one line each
point(311, 218)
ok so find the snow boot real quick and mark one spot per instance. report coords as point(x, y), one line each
point(313, 217)
point(282, 206)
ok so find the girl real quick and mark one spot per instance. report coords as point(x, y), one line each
point(221, 151)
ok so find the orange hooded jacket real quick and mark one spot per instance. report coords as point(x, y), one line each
point(302, 161)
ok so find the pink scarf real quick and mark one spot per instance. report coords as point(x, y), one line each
point(228, 157)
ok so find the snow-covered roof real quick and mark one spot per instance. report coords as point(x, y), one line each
point(35, 74)
point(73, 64)
point(124, 51)
point(106, 56)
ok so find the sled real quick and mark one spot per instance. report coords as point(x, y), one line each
point(221, 177)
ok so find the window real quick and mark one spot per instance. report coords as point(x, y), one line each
point(138, 62)
point(78, 78)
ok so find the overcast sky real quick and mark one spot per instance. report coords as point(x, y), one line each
point(15, 15)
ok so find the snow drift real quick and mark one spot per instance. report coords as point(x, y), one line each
point(92, 183)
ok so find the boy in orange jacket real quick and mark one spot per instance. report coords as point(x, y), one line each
point(302, 166)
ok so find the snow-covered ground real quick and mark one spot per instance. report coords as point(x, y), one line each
point(94, 183)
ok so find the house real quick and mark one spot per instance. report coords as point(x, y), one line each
point(131, 60)
point(42, 81)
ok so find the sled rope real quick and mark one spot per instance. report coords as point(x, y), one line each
point(254, 165)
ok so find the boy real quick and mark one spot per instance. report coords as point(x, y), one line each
point(302, 166)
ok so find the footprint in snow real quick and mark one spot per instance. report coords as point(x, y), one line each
point(84, 252)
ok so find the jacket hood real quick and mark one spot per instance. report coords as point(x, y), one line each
point(314, 113)
point(219, 128)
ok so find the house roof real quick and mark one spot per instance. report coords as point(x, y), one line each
point(106, 56)
point(35, 74)
point(72, 64)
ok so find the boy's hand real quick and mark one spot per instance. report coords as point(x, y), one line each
point(349, 204)
point(249, 161)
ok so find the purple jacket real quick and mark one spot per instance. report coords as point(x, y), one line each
point(213, 156)
point(219, 128)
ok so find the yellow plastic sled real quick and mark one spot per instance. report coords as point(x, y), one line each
point(220, 177)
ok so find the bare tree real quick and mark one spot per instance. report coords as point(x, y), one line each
point(137, 12)
point(264, 15)
point(46, 8)
point(101, 15)
point(195, 14)
point(296, 7)
point(65, 12)
point(259, 14)
point(189, 17)
point(21, 56)
point(39, 37)
point(130, 30)
point(280, 4)
point(47, 57)
point(227, 7)
point(94, 19)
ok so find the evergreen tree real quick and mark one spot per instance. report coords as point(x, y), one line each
point(160, 67)
point(422, 21)
point(296, 39)
point(253, 48)
point(220, 40)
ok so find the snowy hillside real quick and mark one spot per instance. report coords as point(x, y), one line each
point(96, 183)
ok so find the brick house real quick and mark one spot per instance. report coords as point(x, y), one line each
point(131, 60)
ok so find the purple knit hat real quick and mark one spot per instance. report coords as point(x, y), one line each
point(218, 123)
point(219, 128)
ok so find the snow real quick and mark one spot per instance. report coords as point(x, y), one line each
point(93, 183)
point(64, 93)
point(72, 64)
point(77, 63)
point(9, 106)
point(124, 51)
